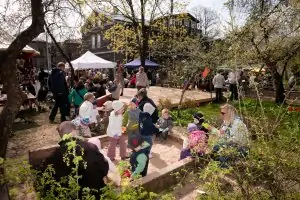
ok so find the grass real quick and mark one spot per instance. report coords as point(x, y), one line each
point(251, 107)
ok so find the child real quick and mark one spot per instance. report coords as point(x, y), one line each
point(131, 121)
point(199, 121)
point(164, 124)
point(77, 96)
point(147, 128)
point(196, 145)
point(86, 108)
point(139, 158)
point(114, 131)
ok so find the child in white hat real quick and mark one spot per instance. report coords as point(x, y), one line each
point(114, 131)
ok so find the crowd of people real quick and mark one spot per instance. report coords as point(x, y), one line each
point(133, 127)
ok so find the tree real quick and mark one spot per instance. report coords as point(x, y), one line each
point(141, 17)
point(27, 19)
point(8, 70)
point(208, 21)
point(270, 36)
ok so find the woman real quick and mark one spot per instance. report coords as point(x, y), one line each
point(77, 95)
point(233, 133)
point(142, 80)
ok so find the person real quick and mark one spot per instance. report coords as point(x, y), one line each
point(233, 133)
point(147, 128)
point(196, 144)
point(114, 131)
point(142, 80)
point(120, 76)
point(132, 82)
point(114, 88)
point(92, 173)
point(131, 118)
point(199, 121)
point(139, 159)
point(232, 79)
point(42, 77)
point(58, 86)
point(86, 108)
point(164, 124)
point(76, 96)
point(143, 99)
point(218, 82)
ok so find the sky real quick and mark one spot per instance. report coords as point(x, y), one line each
point(217, 5)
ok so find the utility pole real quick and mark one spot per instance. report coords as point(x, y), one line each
point(172, 7)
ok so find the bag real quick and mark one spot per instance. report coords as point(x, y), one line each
point(79, 94)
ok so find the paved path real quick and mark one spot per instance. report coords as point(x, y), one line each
point(172, 94)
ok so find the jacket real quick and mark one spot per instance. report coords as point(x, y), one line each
point(218, 81)
point(86, 109)
point(145, 100)
point(236, 132)
point(57, 82)
point(142, 79)
point(139, 161)
point(147, 128)
point(92, 175)
point(197, 142)
point(165, 123)
point(131, 119)
point(76, 96)
point(114, 125)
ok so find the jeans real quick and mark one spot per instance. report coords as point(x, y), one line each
point(148, 139)
point(225, 159)
point(61, 102)
point(218, 94)
point(234, 92)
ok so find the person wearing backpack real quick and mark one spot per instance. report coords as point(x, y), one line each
point(77, 96)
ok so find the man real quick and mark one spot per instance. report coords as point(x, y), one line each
point(142, 80)
point(120, 76)
point(91, 173)
point(58, 86)
point(232, 79)
point(42, 76)
point(143, 99)
point(218, 82)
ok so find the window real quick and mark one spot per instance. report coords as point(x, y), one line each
point(98, 40)
point(93, 41)
point(186, 22)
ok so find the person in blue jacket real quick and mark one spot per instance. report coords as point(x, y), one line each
point(147, 128)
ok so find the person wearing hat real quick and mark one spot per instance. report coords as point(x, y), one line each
point(199, 121)
point(114, 131)
point(196, 145)
point(147, 128)
point(139, 159)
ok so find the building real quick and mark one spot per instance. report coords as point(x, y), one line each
point(72, 48)
point(94, 30)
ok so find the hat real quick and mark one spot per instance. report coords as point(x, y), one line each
point(134, 140)
point(192, 127)
point(85, 121)
point(198, 115)
point(117, 105)
point(134, 100)
point(148, 108)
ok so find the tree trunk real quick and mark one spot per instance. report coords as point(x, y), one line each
point(279, 88)
point(8, 70)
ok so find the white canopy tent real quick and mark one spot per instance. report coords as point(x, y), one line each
point(91, 61)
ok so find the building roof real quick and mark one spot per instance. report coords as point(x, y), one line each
point(180, 14)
